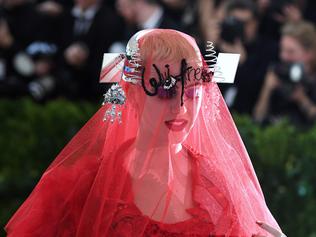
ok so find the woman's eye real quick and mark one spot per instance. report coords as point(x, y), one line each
point(166, 94)
point(192, 93)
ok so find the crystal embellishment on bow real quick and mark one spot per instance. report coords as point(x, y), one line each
point(115, 96)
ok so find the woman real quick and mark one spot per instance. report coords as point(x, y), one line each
point(167, 161)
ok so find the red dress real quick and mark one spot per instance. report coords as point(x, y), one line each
point(89, 189)
point(129, 221)
point(82, 195)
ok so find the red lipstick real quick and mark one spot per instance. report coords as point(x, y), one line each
point(176, 124)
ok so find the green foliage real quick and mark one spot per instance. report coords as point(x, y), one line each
point(31, 135)
point(285, 162)
point(284, 158)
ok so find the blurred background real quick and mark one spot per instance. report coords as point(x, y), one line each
point(50, 60)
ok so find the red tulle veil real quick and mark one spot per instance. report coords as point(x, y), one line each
point(174, 166)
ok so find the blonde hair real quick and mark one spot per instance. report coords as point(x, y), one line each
point(166, 45)
point(305, 34)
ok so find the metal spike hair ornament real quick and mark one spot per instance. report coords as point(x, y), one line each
point(210, 57)
point(115, 96)
point(132, 71)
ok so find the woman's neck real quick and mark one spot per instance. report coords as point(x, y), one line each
point(162, 149)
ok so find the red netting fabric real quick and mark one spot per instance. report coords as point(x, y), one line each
point(175, 166)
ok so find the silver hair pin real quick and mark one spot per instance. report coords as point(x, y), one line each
point(115, 96)
point(133, 56)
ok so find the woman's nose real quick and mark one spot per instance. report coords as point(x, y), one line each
point(176, 107)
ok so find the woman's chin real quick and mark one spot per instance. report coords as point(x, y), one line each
point(178, 137)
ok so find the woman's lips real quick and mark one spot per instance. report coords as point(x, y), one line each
point(176, 124)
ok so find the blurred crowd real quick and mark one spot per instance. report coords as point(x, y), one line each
point(53, 48)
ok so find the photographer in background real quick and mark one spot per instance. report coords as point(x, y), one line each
point(43, 83)
point(140, 15)
point(88, 30)
point(20, 25)
point(33, 73)
point(239, 34)
point(274, 14)
point(185, 13)
point(290, 86)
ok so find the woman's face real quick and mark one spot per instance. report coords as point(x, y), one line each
point(164, 118)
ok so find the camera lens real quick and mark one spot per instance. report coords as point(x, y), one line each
point(232, 29)
point(296, 72)
point(23, 64)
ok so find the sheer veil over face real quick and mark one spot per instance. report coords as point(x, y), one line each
point(165, 121)
point(164, 117)
point(170, 122)
point(176, 127)
point(176, 165)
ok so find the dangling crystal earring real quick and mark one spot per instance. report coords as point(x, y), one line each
point(115, 96)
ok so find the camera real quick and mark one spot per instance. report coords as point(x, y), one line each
point(290, 74)
point(35, 66)
point(41, 87)
point(232, 29)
